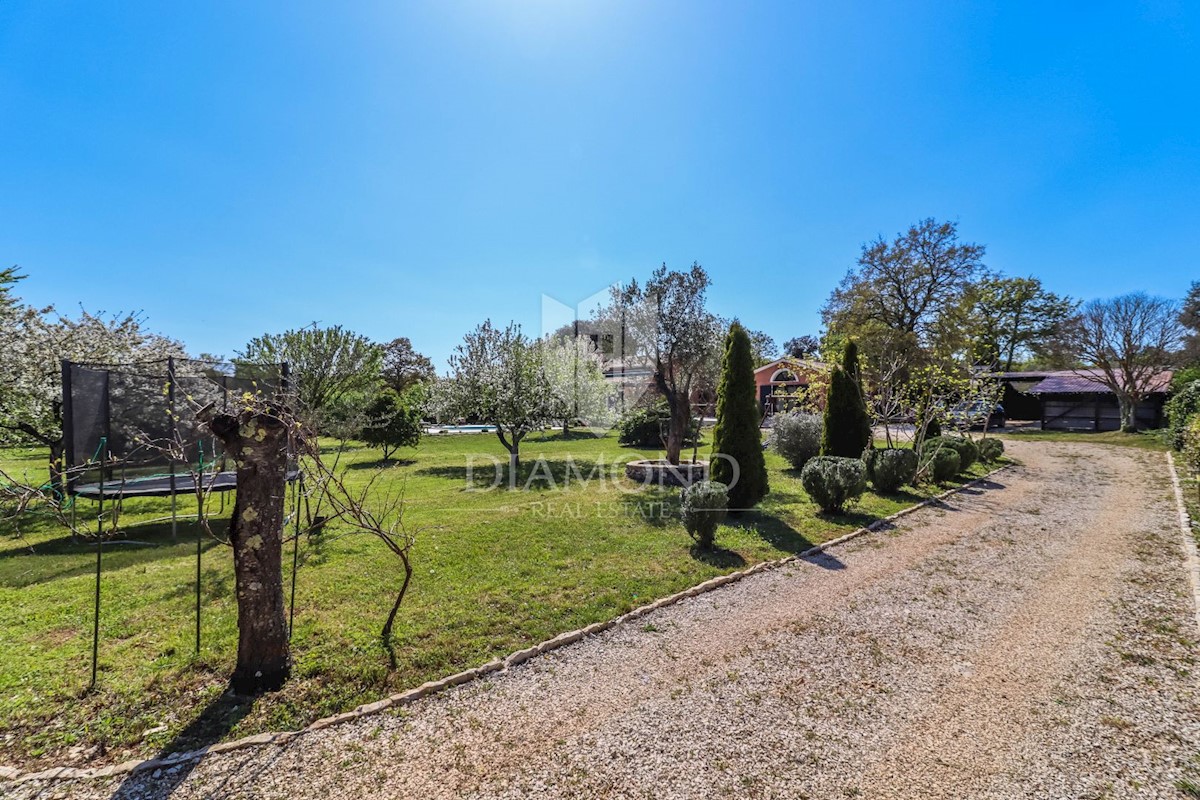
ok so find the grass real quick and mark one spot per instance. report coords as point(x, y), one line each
point(494, 572)
point(1145, 440)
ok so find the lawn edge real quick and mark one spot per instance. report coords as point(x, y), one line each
point(1190, 557)
point(518, 657)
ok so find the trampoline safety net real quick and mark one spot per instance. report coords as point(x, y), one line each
point(132, 428)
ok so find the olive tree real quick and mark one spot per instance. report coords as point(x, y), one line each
point(668, 323)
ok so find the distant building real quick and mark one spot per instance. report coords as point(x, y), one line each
point(784, 383)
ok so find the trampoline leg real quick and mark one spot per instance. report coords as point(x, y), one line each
point(174, 517)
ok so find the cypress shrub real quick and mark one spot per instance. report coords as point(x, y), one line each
point(737, 435)
point(990, 449)
point(833, 481)
point(889, 469)
point(847, 425)
point(704, 505)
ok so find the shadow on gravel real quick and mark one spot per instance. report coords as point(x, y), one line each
point(209, 727)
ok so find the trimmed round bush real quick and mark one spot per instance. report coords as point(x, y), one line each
point(704, 507)
point(889, 469)
point(797, 437)
point(968, 453)
point(991, 449)
point(833, 481)
point(943, 464)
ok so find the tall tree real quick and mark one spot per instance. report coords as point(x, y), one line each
point(762, 348)
point(737, 440)
point(668, 323)
point(908, 292)
point(1189, 317)
point(328, 365)
point(847, 429)
point(498, 378)
point(1128, 340)
point(402, 366)
point(1016, 317)
point(802, 346)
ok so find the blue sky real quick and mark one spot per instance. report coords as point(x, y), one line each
point(410, 169)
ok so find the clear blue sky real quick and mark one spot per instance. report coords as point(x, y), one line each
point(411, 169)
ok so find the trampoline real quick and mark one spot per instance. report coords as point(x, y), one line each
point(163, 485)
point(130, 430)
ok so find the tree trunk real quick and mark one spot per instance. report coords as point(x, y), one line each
point(258, 444)
point(1128, 413)
point(681, 418)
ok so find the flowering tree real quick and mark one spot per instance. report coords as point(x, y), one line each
point(33, 343)
point(578, 390)
point(498, 377)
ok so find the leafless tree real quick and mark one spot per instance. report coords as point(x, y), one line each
point(1127, 341)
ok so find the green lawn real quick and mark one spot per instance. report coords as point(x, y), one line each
point(494, 571)
point(1146, 440)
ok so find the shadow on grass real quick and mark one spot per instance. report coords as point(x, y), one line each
point(67, 558)
point(534, 474)
point(210, 726)
point(717, 557)
point(384, 463)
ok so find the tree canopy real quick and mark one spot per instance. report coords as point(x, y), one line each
point(668, 322)
point(328, 365)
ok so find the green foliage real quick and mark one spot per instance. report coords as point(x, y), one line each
point(990, 449)
point(1013, 318)
point(847, 425)
point(942, 463)
point(1183, 377)
point(646, 426)
point(327, 364)
point(737, 436)
point(1191, 445)
point(968, 452)
point(394, 420)
point(704, 507)
point(402, 366)
point(797, 437)
point(891, 468)
point(1183, 405)
point(832, 481)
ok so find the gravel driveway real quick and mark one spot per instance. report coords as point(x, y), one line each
point(1029, 639)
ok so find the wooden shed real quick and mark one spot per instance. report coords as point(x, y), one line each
point(1079, 401)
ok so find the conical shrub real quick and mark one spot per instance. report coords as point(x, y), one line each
point(847, 424)
point(737, 440)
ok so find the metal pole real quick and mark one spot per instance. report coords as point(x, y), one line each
point(297, 490)
point(99, 557)
point(199, 537)
point(175, 436)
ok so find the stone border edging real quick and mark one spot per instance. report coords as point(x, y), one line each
point(496, 665)
point(1190, 557)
